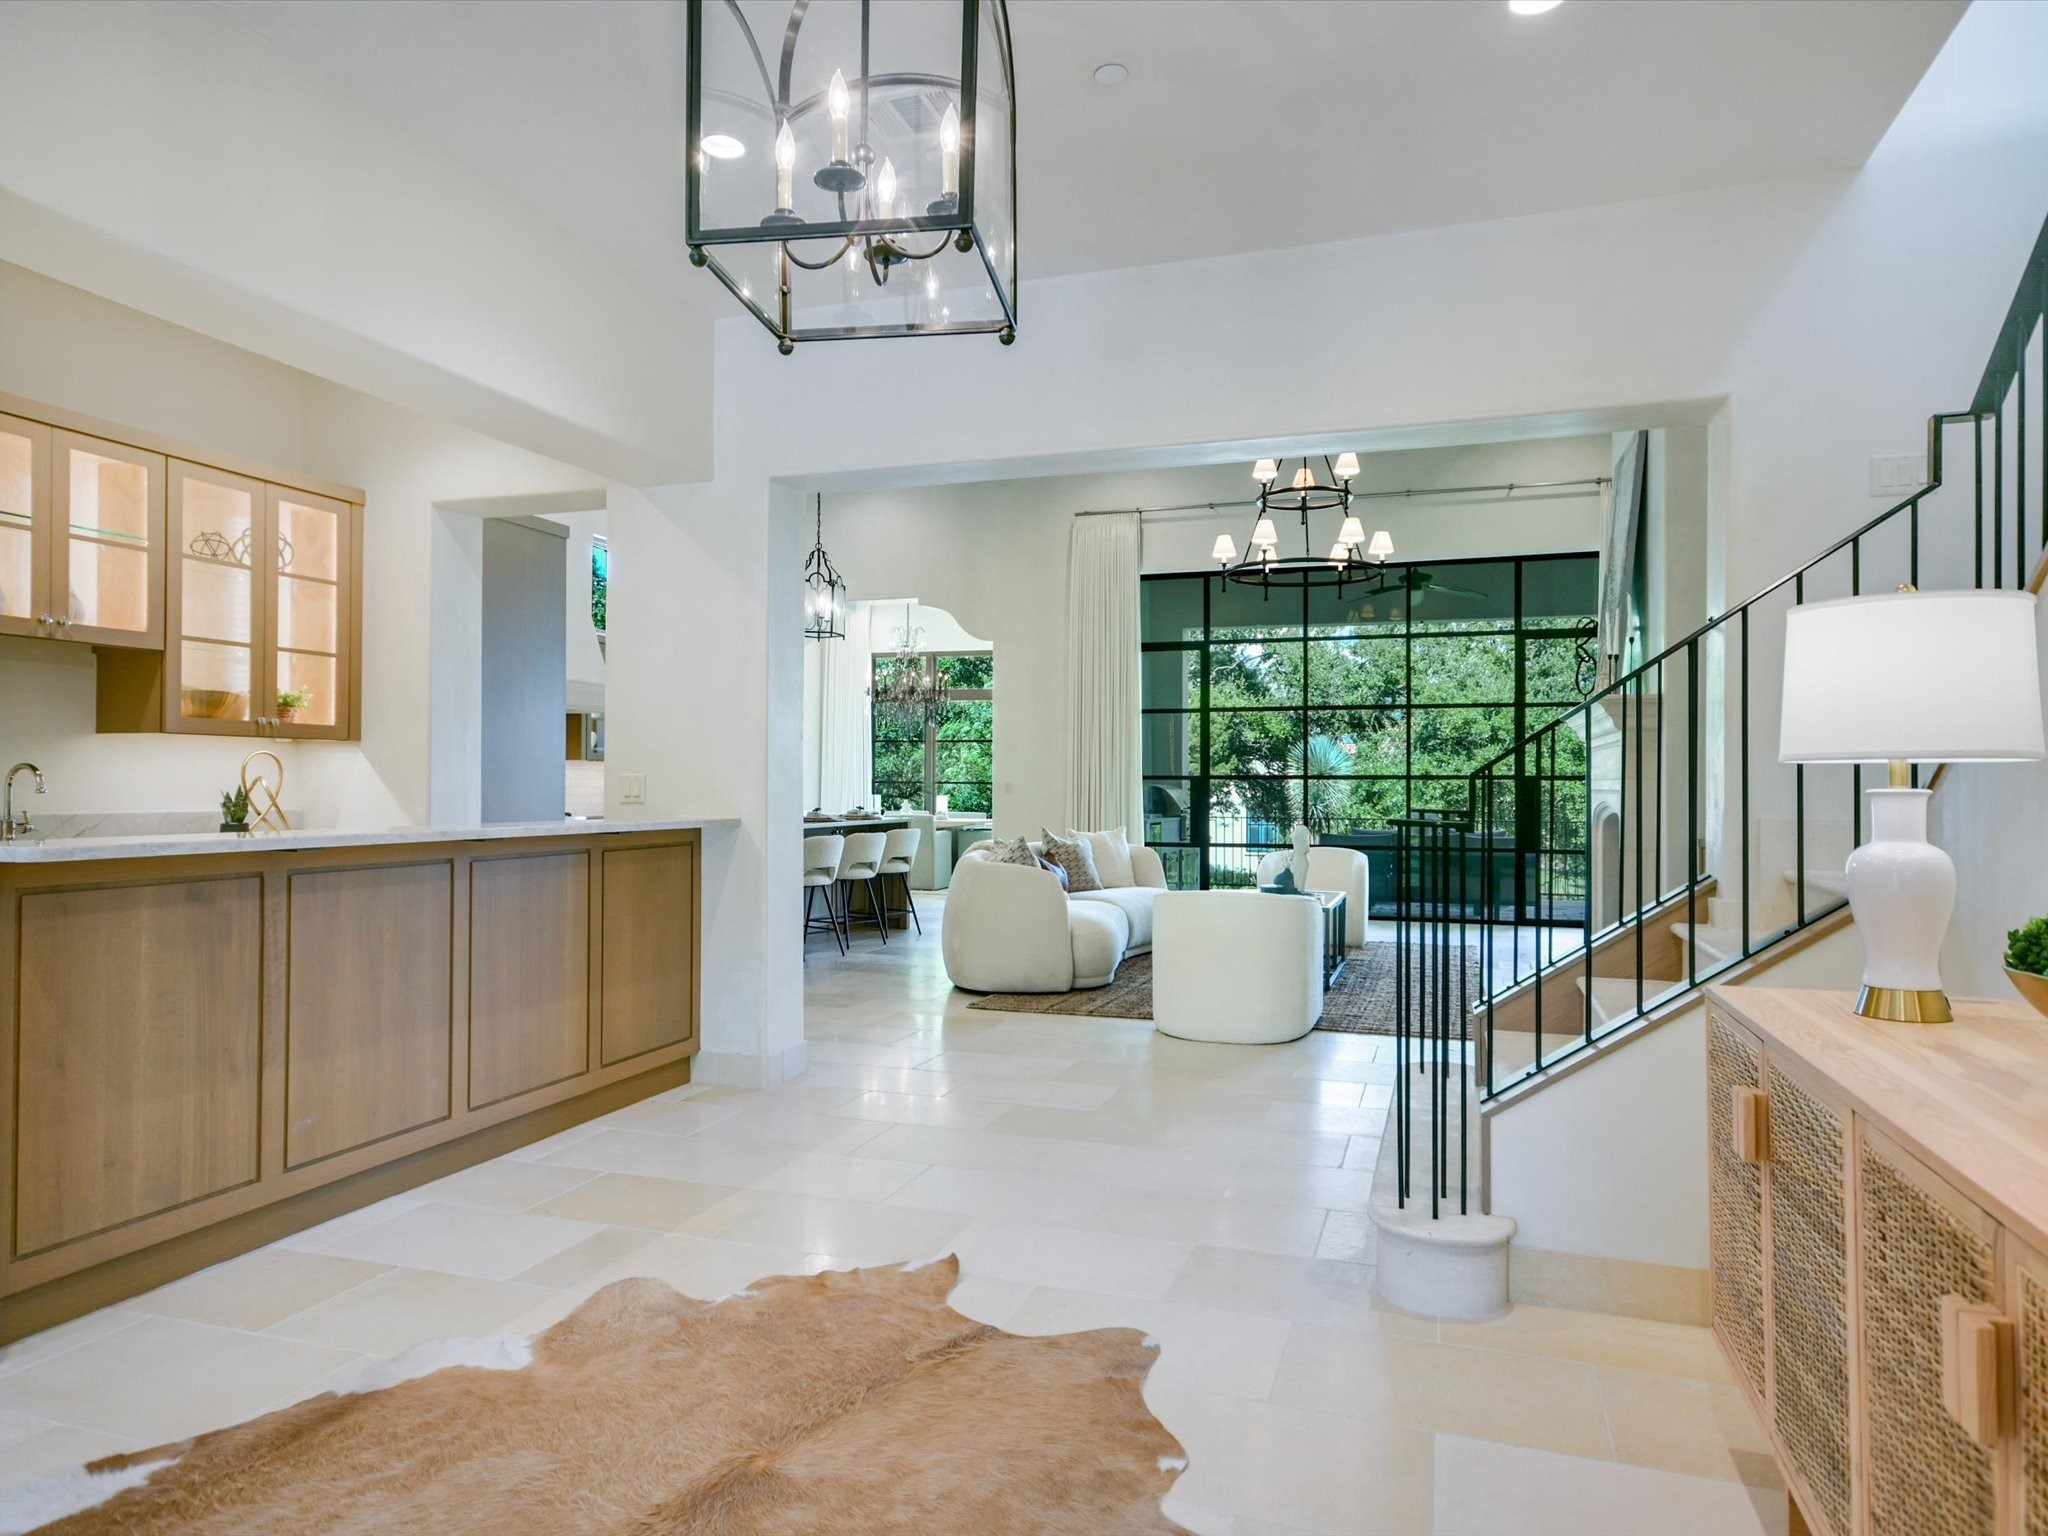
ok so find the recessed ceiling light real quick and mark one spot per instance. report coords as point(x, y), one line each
point(723, 146)
point(1533, 7)
point(1111, 74)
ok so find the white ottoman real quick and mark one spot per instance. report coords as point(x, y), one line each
point(1239, 967)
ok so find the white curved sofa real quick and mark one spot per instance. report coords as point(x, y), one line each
point(1011, 928)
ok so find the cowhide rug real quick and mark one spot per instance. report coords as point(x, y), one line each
point(848, 1403)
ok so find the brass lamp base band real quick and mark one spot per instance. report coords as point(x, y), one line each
point(1904, 1005)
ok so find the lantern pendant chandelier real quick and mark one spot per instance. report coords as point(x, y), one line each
point(852, 164)
point(824, 591)
point(1351, 558)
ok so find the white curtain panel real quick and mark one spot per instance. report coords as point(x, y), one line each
point(1102, 640)
point(845, 760)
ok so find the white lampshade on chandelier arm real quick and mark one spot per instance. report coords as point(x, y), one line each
point(1314, 486)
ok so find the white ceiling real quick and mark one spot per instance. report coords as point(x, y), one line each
point(1244, 125)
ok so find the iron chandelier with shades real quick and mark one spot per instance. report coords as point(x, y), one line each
point(1317, 485)
point(824, 591)
point(852, 164)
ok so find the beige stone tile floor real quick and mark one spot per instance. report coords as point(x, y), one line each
point(1089, 1174)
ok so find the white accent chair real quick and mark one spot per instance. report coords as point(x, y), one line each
point(1333, 869)
point(821, 873)
point(861, 860)
point(1010, 928)
point(899, 855)
point(1238, 967)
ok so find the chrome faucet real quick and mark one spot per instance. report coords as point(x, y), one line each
point(10, 829)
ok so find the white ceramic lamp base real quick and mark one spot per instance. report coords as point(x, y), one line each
point(1902, 889)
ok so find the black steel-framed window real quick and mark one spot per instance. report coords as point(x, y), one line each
point(1348, 710)
point(915, 761)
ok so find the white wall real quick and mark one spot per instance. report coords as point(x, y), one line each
point(64, 347)
point(167, 157)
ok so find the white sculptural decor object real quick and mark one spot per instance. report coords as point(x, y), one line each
point(1299, 840)
point(1909, 677)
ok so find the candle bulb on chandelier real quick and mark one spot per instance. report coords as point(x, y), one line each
point(949, 152)
point(885, 191)
point(836, 104)
point(785, 166)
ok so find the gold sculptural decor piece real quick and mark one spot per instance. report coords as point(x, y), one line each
point(266, 800)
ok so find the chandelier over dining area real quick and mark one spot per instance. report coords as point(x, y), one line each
point(1318, 484)
point(851, 168)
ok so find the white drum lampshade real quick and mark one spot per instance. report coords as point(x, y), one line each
point(1902, 678)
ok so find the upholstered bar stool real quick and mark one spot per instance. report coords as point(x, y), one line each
point(821, 873)
point(861, 859)
point(898, 854)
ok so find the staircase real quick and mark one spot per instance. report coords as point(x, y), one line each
point(1658, 807)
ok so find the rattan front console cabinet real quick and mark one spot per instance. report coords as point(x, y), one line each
point(1878, 1206)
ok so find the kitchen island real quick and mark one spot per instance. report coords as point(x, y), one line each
point(212, 1041)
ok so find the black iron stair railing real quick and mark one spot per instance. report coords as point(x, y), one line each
point(1664, 791)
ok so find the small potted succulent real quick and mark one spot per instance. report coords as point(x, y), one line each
point(290, 701)
point(234, 810)
point(2026, 962)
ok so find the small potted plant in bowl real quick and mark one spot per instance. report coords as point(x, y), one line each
point(234, 810)
point(2026, 962)
point(290, 701)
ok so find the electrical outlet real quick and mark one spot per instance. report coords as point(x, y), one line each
point(1898, 475)
point(632, 789)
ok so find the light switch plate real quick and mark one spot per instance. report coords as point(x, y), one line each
point(1898, 474)
point(632, 789)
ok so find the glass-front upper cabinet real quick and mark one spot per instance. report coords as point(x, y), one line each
point(24, 527)
point(213, 663)
point(107, 553)
point(311, 578)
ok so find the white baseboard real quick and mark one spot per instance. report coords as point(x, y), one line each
point(743, 1069)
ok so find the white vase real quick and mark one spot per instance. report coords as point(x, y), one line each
point(1903, 890)
point(1297, 862)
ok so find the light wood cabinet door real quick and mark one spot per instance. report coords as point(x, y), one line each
point(1807, 1226)
point(529, 973)
point(311, 641)
point(647, 948)
point(137, 1045)
point(1735, 1202)
point(25, 528)
point(107, 549)
point(369, 1006)
point(216, 603)
point(1919, 1240)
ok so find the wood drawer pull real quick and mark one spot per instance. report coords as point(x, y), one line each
point(1752, 1118)
point(1979, 1368)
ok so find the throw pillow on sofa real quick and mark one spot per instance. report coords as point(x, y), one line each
point(1016, 851)
point(1055, 871)
point(1076, 858)
point(1112, 852)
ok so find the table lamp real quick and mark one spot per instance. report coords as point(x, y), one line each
point(1909, 677)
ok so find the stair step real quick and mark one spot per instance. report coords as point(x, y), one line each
point(1826, 886)
point(1614, 997)
point(1714, 944)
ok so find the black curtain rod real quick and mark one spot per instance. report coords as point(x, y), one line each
point(1510, 486)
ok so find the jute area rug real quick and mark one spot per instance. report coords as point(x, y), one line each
point(1362, 1001)
point(856, 1403)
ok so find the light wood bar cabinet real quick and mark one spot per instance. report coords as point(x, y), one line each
point(1878, 1213)
point(205, 1050)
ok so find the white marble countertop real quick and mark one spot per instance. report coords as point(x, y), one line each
point(62, 850)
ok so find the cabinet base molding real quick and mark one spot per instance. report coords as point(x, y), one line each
point(117, 1280)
